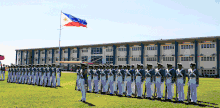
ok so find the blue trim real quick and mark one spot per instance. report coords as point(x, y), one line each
point(68, 58)
point(196, 53)
point(32, 59)
point(217, 59)
point(78, 53)
point(176, 54)
point(127, 59)
point(21, 56)
point(52, 55)
point(38, 57)
point(142, 53)
point(158, 52)
point(60, 54)
point(45, 56)
point(114, 53)
point(16, 57)
point(27, 57)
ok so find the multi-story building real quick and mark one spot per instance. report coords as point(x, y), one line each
point(204, 51)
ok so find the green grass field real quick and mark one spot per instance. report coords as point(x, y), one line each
point(28, 96)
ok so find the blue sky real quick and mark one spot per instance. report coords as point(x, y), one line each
point(35, 23)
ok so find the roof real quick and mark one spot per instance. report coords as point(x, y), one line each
point(208, 38)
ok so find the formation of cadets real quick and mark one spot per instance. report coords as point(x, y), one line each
point(41, 75)
point(125, 80)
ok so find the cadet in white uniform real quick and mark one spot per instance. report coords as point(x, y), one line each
point(181, 79)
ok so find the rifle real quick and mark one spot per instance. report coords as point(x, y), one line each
point(176, 90)
point(188, 94)
point(155, 94)
point(145, 91)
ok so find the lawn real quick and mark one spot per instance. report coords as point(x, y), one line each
point(21, 95)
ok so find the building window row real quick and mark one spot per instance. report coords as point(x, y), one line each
point(136, 48)
point(207, 58)
point(207, 45)
point(85, 50)
point(151, 59)
point(84, 58)
point(168, 47)
point(186, 58)
point(136, 59)
point(151, 48)
point(209, 72)
point(186, 46)
point(97, 50)
point(168, 58)
point(65, 51)
point(109, 50)
point(121, 49)
point(121, 59)
point(74, 51)
point(96, 59)
point(74, 59)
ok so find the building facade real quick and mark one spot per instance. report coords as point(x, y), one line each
point(204, 51)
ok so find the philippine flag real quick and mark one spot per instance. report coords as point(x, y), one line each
point(69, 20)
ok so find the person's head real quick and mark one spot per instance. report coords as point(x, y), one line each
point(83, 66)
point(96, 66)
point(124, 66)
point(149, 66)
point(78, 67)
point(138, 66)
point(179, 65)
point(111, 66)
point(132, 66)
point(193, 65)
point(90, 67)
point(169, 66)
point(120, 66)
point(128, 67)
point(141, 66)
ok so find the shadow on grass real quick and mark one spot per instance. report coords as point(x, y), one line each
point(90, 104)
point(199, 103)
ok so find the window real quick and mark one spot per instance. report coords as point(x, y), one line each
point(35, 59)
point(201, 58)
point(57, 59)
point(42, 59)
point(84, 58)
point(181, 58)
point(74, 51)
point(43, 52)
point(49, 52)
point(65, 51)
point(204, 45)
point(57, 52)
point(204, 58)
point(207, 59)
point(97, 50)
point(109, 59)
point(168, 58)
point(210, 58)
point(213, 58)
point(49, 59)
point(36, 52)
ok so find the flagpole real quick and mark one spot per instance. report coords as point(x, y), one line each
point(59, 38)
